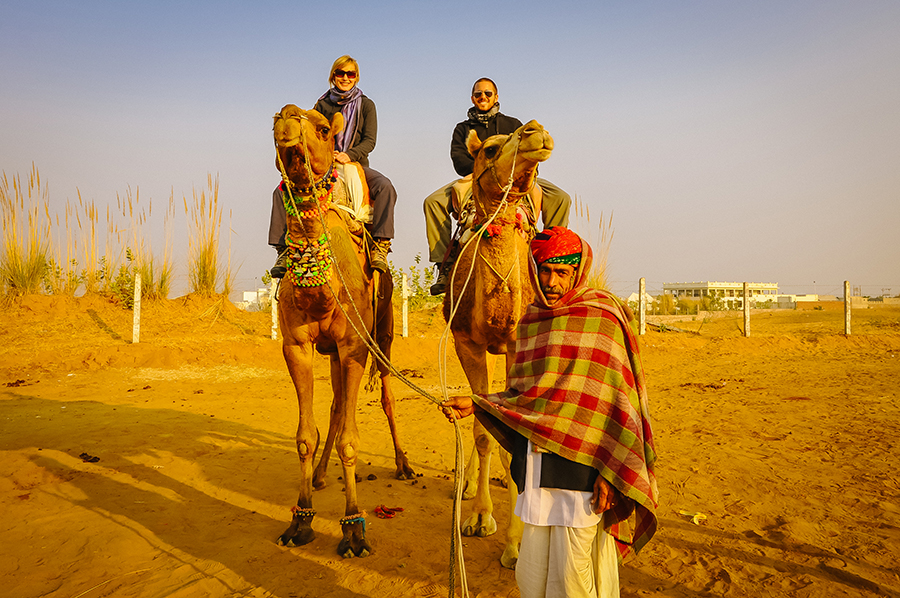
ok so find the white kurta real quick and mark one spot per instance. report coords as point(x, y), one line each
point(565, 553)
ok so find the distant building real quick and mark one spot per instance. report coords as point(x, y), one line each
point(255, 300)
point(731, 293)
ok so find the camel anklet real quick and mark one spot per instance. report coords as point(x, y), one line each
point(357, 518)
point(298, 511)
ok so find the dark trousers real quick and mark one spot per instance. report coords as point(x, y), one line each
point(381, 191)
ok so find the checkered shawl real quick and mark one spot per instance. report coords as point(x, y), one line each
point(576, 389)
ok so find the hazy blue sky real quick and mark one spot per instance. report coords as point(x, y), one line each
point(752, 141)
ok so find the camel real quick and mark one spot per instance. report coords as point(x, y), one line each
point(495, 298)
point(328, 308)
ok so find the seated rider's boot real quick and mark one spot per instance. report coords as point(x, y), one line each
point(440, 285)
point(280, 267)
point(444, 270)
point(378, 256)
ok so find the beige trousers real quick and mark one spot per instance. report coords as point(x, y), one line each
point(567, 562)
point(438, 223)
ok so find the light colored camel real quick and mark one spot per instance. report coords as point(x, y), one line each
point(311, 318)
point(495, 299)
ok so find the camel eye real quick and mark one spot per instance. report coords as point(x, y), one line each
point(324, 131)
point(491, 151)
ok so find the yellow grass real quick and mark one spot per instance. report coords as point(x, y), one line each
point(59, 254)
point(204, 221)
point(600, 240)
point(26, 234)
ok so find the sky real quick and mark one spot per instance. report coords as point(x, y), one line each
point(729, 141)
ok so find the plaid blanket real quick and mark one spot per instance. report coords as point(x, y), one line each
point(576, 389)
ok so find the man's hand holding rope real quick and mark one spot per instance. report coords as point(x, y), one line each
point(458, 407)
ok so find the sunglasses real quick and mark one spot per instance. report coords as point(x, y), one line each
point(349, 74)
point(478, 94)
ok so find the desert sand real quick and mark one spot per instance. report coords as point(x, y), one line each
point(783, 442)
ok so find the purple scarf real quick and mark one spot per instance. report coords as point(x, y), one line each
point(349, 102)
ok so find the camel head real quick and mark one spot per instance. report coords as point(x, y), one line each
point(497, 156)
point(304, 140)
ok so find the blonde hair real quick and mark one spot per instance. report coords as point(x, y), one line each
point(345, 59)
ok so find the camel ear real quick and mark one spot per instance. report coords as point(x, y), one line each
point(473, 143)
point(337, 123)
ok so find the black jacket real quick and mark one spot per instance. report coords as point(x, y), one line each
point(366, 128)
point(463, 162)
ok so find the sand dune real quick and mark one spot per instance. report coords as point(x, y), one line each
point(784, 442)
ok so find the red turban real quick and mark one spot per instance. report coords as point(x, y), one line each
point(558, 244)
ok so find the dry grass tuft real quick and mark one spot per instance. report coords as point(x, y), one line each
point(204, 221)
point(26, 235)
point(600, 243)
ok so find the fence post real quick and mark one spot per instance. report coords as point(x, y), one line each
point(404, 293)
point(642, 308)
point(746, 309)
point(273, 301)
point(136, 321)
point(847, 307)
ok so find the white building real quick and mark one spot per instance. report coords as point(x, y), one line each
point(255, 300)
point(731, 293)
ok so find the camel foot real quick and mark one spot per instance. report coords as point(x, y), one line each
point(479, 524)
point(354, 542)
point(404, 470)
point(510, 556)
point(299, 533)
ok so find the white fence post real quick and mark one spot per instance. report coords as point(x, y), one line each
point(642, 308)
point(847, 307)
point(273, 301)
point(136, 321)
point(404, 293)
point(746, 309)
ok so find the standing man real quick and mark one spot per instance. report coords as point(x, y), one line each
point(485, 118)
point(575, 418)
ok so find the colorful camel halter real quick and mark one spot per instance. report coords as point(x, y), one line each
point(486, 230)
point(309, 261)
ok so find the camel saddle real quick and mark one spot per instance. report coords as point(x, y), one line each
point(462, 206)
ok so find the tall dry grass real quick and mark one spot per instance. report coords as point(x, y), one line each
point(156, 275)
point(87, 218)
point(63, 253)
point(204, 217)
point(26, 234)
point(600, 240)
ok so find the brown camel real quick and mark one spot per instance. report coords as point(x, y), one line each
point(328, 307)
point(496, 296)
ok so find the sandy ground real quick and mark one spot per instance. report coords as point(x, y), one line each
point(785, 441)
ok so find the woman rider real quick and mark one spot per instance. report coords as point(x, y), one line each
point(353, 144)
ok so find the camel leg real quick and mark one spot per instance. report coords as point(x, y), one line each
point(385, 338)
point(477, 365)
point(480, 460)
point(353, 525)
point(298, 358)
point(333, 424)
point(514, 530)
point(404, 469)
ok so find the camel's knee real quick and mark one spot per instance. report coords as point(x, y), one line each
point(304, 450)
point(483, 443)
point(348, 453)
